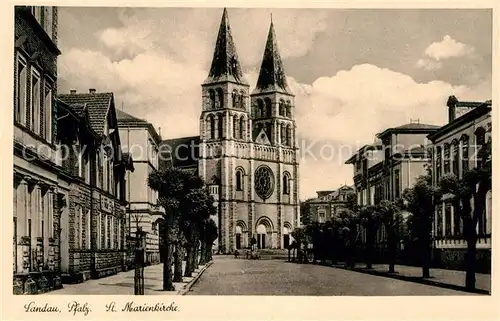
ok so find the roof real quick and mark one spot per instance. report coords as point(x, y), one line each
point(180, 152)
point(479, 111)
point(97, 105)
point(272, 76)
point(410, 128)
point(123, 117)
point(362, 149)
point(225, 64)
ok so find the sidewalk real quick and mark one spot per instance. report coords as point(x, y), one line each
point(123, 283)
point(451, 279)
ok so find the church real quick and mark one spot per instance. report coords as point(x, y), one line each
point(247, 151)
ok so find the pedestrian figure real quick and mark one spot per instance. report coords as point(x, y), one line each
point(236, 254)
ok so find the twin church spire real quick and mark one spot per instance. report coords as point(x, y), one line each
point(226, 66)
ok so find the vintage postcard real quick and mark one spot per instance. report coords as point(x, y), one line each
point(299, 161)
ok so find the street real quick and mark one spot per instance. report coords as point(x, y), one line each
point(229, 276)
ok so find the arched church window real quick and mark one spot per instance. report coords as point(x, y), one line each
point(282, 134)
point(211, 126)
point(288, 135)
point(242, 99)
point(286, 183)
point(220, 98)
point(288, 109)
point(239, 180)
point(282, 108)
point(211, 97)
point(219, 126)
point(235, 99)
point(268, 106)
point(242, 127)
point(235, 127)
point(260, 108)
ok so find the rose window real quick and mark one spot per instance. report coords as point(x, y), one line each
point(264, 182)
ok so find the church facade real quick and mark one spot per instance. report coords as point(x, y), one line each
point(248, 154)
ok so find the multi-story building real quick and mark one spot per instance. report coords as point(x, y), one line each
point(140, 139)
point(36, 203)
point(328, 203)
point(457, 148)
point(92, 229)
point(383, 170)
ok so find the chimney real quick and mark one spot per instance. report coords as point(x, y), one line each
point(72, 91)
point(92, 91)
point(452, 109)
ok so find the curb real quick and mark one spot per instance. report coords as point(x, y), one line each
point(416, 280)
point(185, 289)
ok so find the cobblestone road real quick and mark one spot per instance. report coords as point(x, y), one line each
point(229, 276)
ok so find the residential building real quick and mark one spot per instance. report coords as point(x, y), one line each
point(457, 148)
point(329, 203)
point(92, 229)
point(248, 154)
point(140, 139)
point(36, 195)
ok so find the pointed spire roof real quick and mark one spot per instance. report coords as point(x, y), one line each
point(272, 76)
point(225, 64)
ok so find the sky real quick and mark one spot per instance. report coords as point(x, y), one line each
point(354, 72)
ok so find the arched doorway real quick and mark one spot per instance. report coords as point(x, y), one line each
point(261, 236)
point(239, 232)
point(287, 229)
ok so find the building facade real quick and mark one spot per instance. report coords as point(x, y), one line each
point(248, 152)
point(457, 148)
point(92, 228)
point(328, 203)
point(36, 194)
point(140, 139)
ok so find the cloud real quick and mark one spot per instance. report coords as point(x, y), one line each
point(428, 64)
point(175, 32)
point(447, 48)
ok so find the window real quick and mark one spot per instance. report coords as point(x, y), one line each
point(239, 180)
point(220, 123)
point(119, 234)
point(106, 231)
point(457, 222)
point(480, 143)
point(465, 153)
point(47, 20)
point(219, 103)
point(438, 163)
point(242, 128)
point(447, 220)
point(439, 221)
point(268, 107)
point(37, 12)
point(286, 183)
point(78, 227)
point(211, 95)
point(236, 99)
point(456, 157)
point(260, 108)
point(288, 135)
point(235, 127)
point(397, 191)
point(35, 102)
point(211, 124)
point(47, 106)
point(288, 109)
point(242, 99)
point(321, 216)
point(20, 104)
point(282, 108)
point(87, 230)
point(446, 158)
point(99, 231)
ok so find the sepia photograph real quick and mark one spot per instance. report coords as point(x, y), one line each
point(251, 151)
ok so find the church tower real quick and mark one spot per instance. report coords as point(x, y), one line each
point(224, 121)
point(248, 152)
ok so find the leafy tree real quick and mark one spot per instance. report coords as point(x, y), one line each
point(210, 234)
point(370, 220)
point(170, 185)
point(420, 202)
point(305, 211)
point(473, 186)
point(392, 218)
point(347, 221)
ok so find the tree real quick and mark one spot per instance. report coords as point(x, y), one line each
point(473, 186)
point(170, 184)
point(347, 221)
point(210, 235)
point(370, 220)
point(420, 202)
point(391, 217)
point(299, 237)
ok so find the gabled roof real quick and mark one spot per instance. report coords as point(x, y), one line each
point(97, 105)
point(225, 64)
point(123, 117)
point(272, 76)
point(180, 152)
